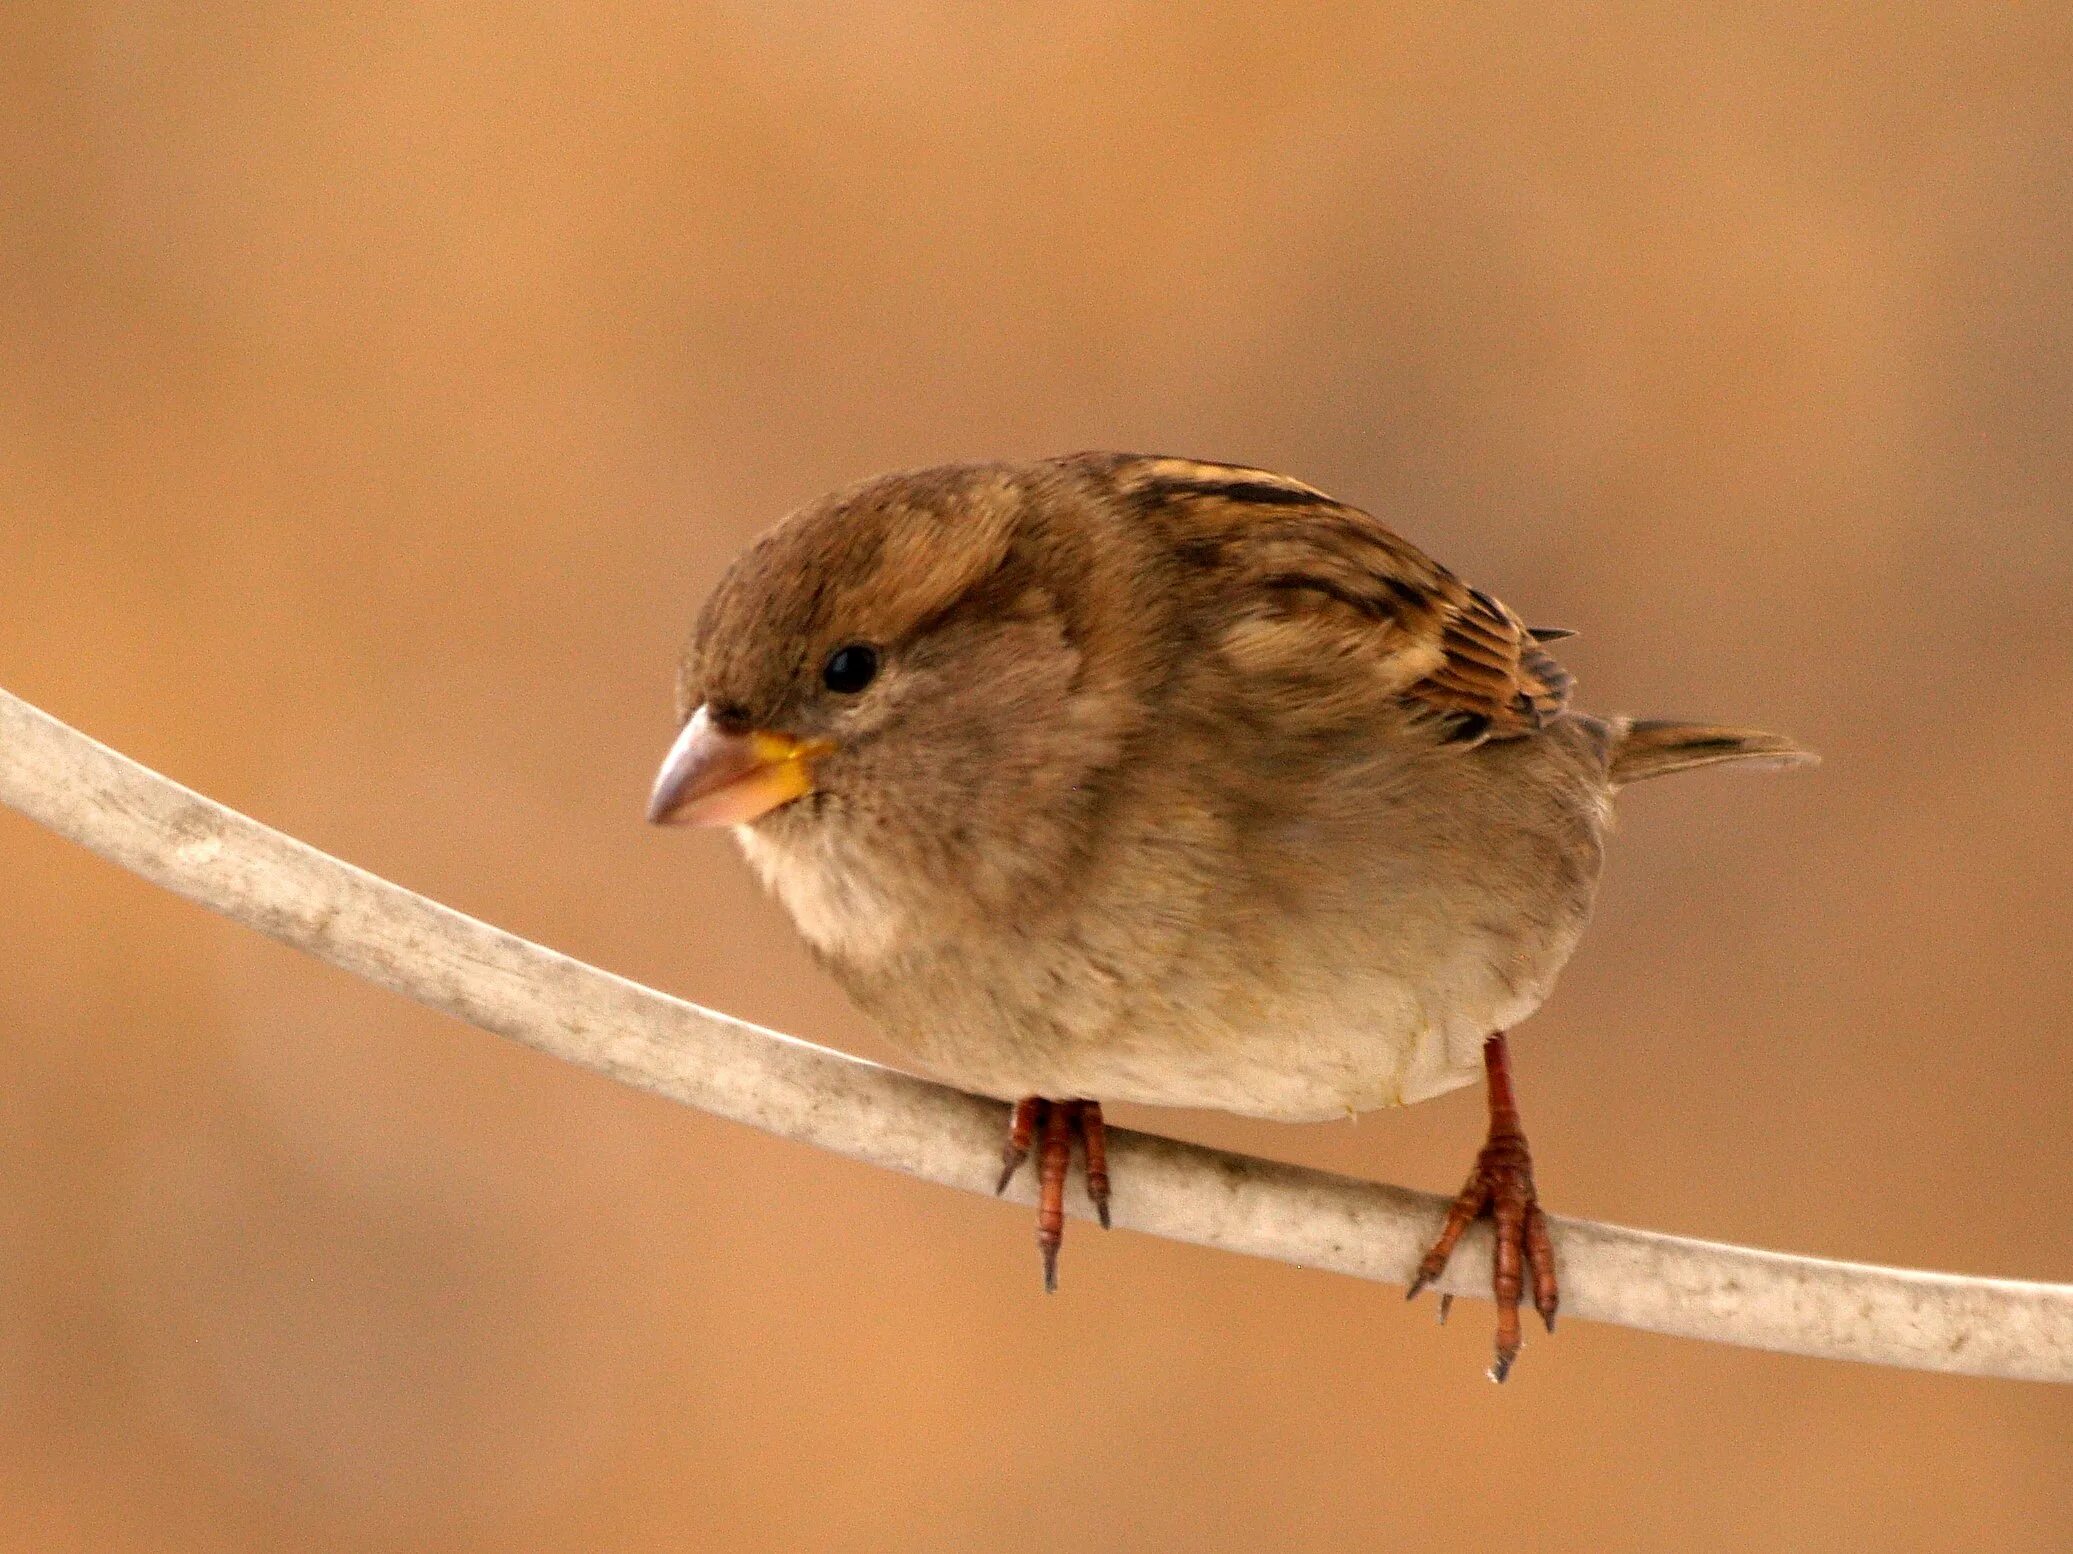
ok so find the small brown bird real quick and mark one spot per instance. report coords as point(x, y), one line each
point(1112, 777)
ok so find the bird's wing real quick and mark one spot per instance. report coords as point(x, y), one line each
point(1315, 588)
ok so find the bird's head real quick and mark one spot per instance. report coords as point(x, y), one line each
point(928, 665)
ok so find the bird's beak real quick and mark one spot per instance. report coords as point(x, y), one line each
point(712, 778)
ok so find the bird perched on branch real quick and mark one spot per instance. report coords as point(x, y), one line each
point(1112, 777)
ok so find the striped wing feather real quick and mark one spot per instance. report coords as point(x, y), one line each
point(1320, 582)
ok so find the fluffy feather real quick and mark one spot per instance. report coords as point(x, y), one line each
point(1181, 782)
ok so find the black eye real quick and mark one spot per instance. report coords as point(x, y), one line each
point(849, 669)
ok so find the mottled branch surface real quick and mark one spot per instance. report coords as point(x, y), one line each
point(1666, 1284)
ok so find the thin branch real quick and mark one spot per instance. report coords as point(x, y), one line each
point(1696, 1289)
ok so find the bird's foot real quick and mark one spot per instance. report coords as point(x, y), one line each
point(1501, 1185)
point(1048, 1128)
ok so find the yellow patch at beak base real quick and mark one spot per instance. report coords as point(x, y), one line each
point(713, 778)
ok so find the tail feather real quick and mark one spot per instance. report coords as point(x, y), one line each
point(1655, 748)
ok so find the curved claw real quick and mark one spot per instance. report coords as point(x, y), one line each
point(1022, 1128)
point(1047, 1128)
point(1501, 1185)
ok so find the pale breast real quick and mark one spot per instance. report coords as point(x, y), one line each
point(832, 896)
point(1354, 960)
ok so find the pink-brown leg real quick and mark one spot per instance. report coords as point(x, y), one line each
point(1502, 1185)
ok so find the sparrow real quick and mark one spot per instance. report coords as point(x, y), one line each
point(1113, 777)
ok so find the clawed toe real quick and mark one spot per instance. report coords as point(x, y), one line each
point(1048, 1129)
point(1501, 1185)
point(1022, 1126)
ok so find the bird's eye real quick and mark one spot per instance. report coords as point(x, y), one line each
point(849, 669)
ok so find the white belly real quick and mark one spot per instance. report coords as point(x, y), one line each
point(1369, 976)
point(1340, 1047)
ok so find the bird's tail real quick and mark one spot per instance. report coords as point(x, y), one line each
point(1649, 748)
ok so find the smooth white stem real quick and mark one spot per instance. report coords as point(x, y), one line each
point(282, 887)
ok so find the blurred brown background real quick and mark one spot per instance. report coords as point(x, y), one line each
point(380, 391)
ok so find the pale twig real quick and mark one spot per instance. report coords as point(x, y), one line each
point(1697, 1289)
